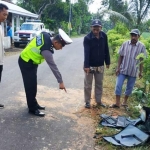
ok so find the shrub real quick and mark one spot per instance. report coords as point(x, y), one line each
point(117, 36)
point(121, 28)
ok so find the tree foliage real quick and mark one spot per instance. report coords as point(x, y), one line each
point(36, 6)
point(55, 13)
point(133, 13)
point(114, 5)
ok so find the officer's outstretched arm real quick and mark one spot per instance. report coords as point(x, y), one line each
point(50, 61)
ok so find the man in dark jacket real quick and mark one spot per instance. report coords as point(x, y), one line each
point(96, 53)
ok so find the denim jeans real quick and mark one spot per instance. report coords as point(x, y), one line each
point(120, 81)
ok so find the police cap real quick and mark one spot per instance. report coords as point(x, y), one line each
point(65, 39)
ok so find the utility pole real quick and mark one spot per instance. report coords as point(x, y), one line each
point(70, 15)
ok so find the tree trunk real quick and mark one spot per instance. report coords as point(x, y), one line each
point(44, 6)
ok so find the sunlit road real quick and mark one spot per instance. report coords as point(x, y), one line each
point(64, 127)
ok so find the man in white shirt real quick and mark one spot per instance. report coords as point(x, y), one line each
point(3, 17)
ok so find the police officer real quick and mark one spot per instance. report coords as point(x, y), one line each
point(38, 50)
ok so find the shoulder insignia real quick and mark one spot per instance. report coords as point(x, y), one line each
point(39, 40)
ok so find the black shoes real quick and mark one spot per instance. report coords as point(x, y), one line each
point(1, 106)
point(40, 107)
point(37, 113)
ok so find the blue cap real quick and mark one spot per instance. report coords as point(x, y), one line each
point(96, 22)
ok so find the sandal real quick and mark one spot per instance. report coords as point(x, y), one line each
point(124, 105)
point(101, 104)
point(114, 106)
point(87, 105)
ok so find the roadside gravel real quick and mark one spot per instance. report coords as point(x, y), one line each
point(13, 51)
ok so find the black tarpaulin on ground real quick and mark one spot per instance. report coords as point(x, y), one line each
point(119, 122)
point(130, 135)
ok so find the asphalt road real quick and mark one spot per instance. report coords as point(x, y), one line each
point(64, 127)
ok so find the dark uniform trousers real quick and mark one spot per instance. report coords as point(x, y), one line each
point(29, 75)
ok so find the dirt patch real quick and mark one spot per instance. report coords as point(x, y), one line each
point(13, 50)
point(70, 106)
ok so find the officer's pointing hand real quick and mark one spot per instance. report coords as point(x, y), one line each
point(62, 87)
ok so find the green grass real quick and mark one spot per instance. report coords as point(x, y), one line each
point(146, 35)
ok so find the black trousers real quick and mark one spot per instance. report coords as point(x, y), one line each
point(29, 75)
point(1, 69)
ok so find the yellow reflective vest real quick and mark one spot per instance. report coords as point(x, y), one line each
point(32, 50)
